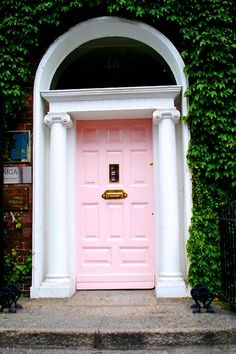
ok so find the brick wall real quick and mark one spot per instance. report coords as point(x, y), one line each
point(21, 238)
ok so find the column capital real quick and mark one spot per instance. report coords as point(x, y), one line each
point(160, 114)
point(62, 118)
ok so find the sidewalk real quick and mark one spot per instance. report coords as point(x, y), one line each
point(126, 319)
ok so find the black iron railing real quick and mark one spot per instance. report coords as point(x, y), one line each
point(228, 252)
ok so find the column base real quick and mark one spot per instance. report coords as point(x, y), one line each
point(171, 287)
point(57, 288)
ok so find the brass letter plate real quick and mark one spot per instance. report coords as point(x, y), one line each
point(114, 194)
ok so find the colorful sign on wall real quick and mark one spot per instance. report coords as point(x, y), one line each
point(17, 147)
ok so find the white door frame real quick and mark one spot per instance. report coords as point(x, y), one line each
point(54, 227)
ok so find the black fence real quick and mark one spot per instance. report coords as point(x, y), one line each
point(228, 252)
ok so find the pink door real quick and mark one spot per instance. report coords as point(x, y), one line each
point(115, 229)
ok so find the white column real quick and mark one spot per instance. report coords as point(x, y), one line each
point(169, 280)
point(57, 282)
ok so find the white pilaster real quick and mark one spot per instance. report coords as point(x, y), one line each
point(169, 281)
point(57, 282)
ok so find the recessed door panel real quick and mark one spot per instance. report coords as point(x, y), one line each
point(90, 171)
point(115, 215)
point(115, 206)
point(90, 230)
point(140, 221)
point(138, 167)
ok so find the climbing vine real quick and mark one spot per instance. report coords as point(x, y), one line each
point(203, 32)
point(16, 271)
point(17, 268)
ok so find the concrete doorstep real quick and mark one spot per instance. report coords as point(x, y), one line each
point(126, 319)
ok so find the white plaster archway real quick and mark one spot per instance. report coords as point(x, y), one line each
point(151, 99)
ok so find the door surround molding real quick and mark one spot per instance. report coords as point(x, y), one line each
point(112, 103)
point(119, 103)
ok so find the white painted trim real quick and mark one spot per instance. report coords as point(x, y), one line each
point(57, 52)
point(111, 93)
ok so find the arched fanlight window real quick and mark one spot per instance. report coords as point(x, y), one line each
point(112, 62)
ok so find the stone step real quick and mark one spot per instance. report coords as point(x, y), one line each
point(115, 320)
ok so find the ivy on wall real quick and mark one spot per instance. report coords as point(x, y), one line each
point(203, 32)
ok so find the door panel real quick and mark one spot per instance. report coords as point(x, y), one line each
point(115, 236)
